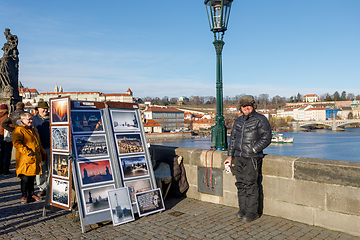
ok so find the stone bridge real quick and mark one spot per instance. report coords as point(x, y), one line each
point(336, 125)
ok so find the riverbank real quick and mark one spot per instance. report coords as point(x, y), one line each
point(153, 137)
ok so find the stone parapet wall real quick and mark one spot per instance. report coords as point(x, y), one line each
point(318, 192)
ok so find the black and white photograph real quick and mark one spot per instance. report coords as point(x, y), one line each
point(60, 138)
point(134, 167)
point(90, 146)
point(88, 121)
point(60, 192)
point(138, 186)
point(120, 206)
point(60, 165)
point(124, 121)
point(149, 202)
point(129, 143)
point(96, 199)
point(95, 172)
point(59, 111)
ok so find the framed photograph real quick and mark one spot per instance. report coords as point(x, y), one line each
point(90, 146)
point(96, 199)
point(60, 165)
point(59, 111)
point(149, 202)
point(134, 167)
point(60, 138)
point(87, 121)
point(130, 143)
point(95, 172)
point(124, 121)
point(120, 206)
point(138, 186)
point(60, 192)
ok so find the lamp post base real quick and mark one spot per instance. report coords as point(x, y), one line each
point(219, 136)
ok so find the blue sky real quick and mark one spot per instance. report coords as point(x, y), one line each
point(164, 48)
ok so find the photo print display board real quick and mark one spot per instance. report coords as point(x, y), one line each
point(138, 186)
point(90, 146)
point(120, 206)
point(87, 121)
point(111, 162)
point(60, 165)
point(134, 167)
point(95, 172)
point(59, 194)
point(60, 108)
point(149, 202)
point(123, 121)
point(60, 138)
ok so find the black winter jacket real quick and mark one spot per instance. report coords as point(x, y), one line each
point(249, 136)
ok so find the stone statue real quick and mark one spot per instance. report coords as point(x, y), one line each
point(9, 67)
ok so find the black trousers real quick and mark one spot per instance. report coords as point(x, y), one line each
point(248, 182)
point(27, 185)
point(5, 156)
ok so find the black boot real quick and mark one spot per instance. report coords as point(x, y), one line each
point(250, 218)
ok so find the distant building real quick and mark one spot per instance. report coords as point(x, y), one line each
point(331, 113)
point(355, 103)
point(88, 96)
point(231, 109)
point(152, 126)
point(202, 124)
point(117, 97)
point(315, 114)
point(28, 95)
point(169, 118)
point(310, 98)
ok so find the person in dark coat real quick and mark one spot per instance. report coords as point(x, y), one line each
point(251, 133)
point(5, 143)
point(10, 123)
point(42, 125)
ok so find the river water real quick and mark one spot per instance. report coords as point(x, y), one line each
point(323, 144)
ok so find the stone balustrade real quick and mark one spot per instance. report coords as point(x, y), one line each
point(317, 192)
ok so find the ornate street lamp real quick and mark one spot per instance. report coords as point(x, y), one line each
point(218, 12)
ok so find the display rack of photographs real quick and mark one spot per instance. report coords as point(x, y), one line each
point(111, 161)
point(134, 161)
point(60, 135)
point(94, 173)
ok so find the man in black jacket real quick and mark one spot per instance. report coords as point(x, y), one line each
point(251, 133)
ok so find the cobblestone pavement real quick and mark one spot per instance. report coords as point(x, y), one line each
point(183, 219)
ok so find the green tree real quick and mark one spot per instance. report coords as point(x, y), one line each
point(337, 96)
point(343, 95)
point(298, 97)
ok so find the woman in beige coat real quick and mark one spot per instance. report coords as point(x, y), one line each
point(29, 154)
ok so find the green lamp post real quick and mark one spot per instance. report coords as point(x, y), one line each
point(218, 12)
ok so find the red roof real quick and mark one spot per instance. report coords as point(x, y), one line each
point(114, 94)
point(204, 121)
point(61, 93)
point(151, 123)
point(310, 95)
point(32, 90)
point(162, 109)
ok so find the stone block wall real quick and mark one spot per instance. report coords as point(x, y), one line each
point(317, 192)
